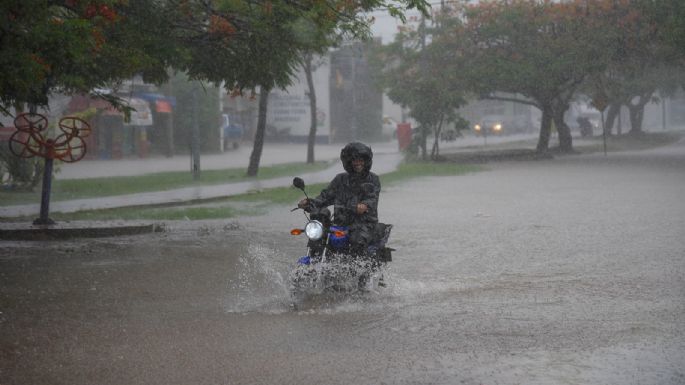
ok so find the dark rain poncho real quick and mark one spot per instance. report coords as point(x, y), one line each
point(348, 189)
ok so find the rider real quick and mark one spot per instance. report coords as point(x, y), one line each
point(354, 194)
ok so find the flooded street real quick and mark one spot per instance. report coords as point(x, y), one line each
point(570, 271)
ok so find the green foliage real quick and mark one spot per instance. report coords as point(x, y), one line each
point(208, 111)
point(279, 195)
point(19, 174)
point(38, 43)
point(538, 49)
point(545, 51)
point(643, 54)
point(669, 18)
point(111, 186)
point(75, 46)
point(423, 76)
point(418, 169)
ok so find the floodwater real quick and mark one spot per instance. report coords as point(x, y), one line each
point(570, 271)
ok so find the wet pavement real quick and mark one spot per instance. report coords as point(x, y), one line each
point(569, 271)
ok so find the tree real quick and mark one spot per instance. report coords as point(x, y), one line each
point(643, 57)
point(668, 17)
point(308, 67)
point(208, 112)
point(77, 46)
point(46, 46)
point(256, 45)
point(318, 38)
point(413, 72)
point(316, 41)
point(541, 50)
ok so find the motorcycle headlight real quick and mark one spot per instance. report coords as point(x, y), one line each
point(314, 230)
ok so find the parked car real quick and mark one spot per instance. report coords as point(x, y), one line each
point(449, 135)
point(232, 132)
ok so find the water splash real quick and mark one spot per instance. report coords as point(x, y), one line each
point(266, 281)
point(260, 286)
point(323, 284)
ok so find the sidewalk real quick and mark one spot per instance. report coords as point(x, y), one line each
point(386, 159)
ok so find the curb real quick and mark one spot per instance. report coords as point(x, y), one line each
point(77, 230)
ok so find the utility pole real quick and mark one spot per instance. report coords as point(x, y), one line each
point(354, 91)
point(663, 112)
point(221, 111)
point(195, 137)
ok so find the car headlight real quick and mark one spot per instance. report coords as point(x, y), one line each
point(314, 230)
point(476, 127)
point(497, 127)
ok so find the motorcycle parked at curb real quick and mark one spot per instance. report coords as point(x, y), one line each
point(331, 263)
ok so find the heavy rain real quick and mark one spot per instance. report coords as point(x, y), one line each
point(538, 222)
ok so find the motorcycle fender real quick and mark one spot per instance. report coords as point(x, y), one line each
point(385, 254)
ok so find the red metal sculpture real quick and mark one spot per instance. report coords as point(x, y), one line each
point(31, 140)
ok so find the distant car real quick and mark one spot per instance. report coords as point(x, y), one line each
point(232, 132)
point(490, 125)
point(586, 125)
point(389, 127)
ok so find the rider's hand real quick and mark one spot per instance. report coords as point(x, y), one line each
point(361, 208)
point(304, 203)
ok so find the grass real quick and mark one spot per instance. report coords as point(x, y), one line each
point(629, 142)
point(253, 203)
point(111, 186)
point(412, 170)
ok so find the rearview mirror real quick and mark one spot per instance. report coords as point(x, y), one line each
point(299, 183)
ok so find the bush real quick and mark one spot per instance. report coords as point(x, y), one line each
point(18, 173)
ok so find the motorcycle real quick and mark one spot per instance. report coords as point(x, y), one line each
point(332, 263)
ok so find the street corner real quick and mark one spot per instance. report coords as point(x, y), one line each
point(26, 231)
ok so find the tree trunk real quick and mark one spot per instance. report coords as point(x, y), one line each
point(637, 113)
point(565, 139)
point(424, 138)
point(435, 151)
point(545, 130)
point(195, 137)
point(636, 116)
point(612, 113)
point(256, 155)
point(312, 106)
